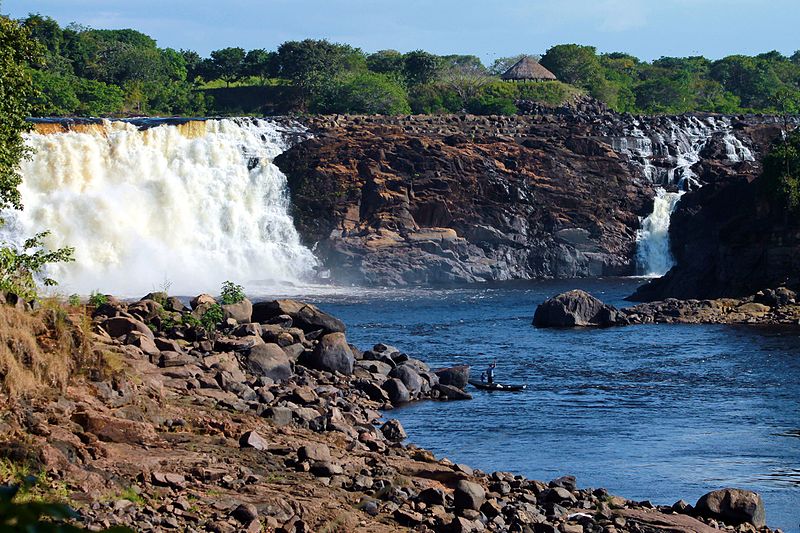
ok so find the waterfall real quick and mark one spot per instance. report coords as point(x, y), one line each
point(182, 205)
point(653, 256)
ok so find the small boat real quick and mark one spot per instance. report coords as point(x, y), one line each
point(496, 386)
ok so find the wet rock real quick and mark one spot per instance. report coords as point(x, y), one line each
point(410, 378)
point(449, 392)
point(269, 360)
point(332, 354)
point(393, 431)
point(468, 495)
point(732, 506)
point(575, 308)
point(396, 390)
point(456, 376)
point(305, 316)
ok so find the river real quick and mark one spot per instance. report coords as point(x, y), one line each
point(657, 412)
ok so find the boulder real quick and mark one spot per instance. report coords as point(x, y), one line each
point(448, 392)
point(575, 308)
point(304, 316)
point(314, 452)
point(202, 299)
point(396, 390)
point(732, 506)
point(241, 312)
point(269, 360)
point(119, 326)
point(393, 431)
point(455, 376)
point(332, 354)
point(252, 439)
point(410, 378)
point(468, 495)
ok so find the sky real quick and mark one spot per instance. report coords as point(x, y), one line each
point(648, 29)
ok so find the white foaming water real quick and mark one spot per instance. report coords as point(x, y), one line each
point(147, 207)
point(653, 256)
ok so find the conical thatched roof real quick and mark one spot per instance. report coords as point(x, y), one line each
point(528, 69)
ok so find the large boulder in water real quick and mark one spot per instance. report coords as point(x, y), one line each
point(305, 316)
point(455, 376)
point(574, 308)
point(733, 506)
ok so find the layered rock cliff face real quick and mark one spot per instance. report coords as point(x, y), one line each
point(464, 199)
point(452, 199)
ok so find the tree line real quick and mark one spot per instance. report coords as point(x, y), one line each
point(86, 71)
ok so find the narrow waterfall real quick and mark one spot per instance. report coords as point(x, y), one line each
point(171, 205)
point(653, 255)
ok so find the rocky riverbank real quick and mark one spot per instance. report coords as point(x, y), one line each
point(271, 422)
point(773, 307)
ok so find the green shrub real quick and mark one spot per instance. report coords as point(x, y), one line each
point(20, 269)
point(74, 300)
point(212, 318)
point(96, 299)
point(231, 293)
point(781, 176)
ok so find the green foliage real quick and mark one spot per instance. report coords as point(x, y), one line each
point(421, 67)
point(21, 269)
point(362, 93)
point(212, 318)
point(96, 299)
point(231, 293)
point(74, 300)
point(780, 178)
point(228, 63)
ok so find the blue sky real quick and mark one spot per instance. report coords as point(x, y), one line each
point(490, 28)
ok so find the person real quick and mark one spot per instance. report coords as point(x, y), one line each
point(490, 373)
point(483, 377)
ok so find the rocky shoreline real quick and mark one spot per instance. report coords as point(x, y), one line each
point(273, 422)
point(770, 307)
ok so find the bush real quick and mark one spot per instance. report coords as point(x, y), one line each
point(231, 293)
point(212, 318)
point(362, 93)
point(20, 269)
point(781, 176)
point(96, 299)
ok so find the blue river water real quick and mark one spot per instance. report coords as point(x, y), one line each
point(649, 412)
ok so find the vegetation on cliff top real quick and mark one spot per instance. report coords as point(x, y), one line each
point(109, 72)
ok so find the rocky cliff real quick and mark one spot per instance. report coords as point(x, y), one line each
point(452, 199)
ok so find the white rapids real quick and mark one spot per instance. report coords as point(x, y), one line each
point(167, 206)
point(653, 255)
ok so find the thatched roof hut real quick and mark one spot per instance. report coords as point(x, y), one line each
point(528, 69)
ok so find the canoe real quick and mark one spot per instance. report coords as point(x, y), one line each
point(496, 386)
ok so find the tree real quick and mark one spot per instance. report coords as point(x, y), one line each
point(362, 93)
point(574, 64)
point(466, 80)
point(420, 67)
point(386, 62)
point(259, 63)
point(780, 178)
point(229, 64)
point(19, 267)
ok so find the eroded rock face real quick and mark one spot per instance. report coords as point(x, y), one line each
point(463, 199)
point(574, 308)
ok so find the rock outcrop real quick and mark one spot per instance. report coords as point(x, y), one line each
point(575, 308)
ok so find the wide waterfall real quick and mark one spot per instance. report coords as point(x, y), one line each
point(653, 255)
point(172, 205)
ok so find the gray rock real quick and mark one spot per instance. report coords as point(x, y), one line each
point(332, 354)
point(252, 439)
point(269, 360)
point(326, 469)
point(456, 376)
point(280, 416)
point(241, 312)
point(468, 495)
point(314, 452)
point(448, 392)
point(410, 378)
point(245, 513)
point(305, 316)
point(575, 308)
point(397, 391)
point(733, 506)
point(393, 431)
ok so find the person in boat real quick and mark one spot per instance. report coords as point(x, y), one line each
point(489, 372)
